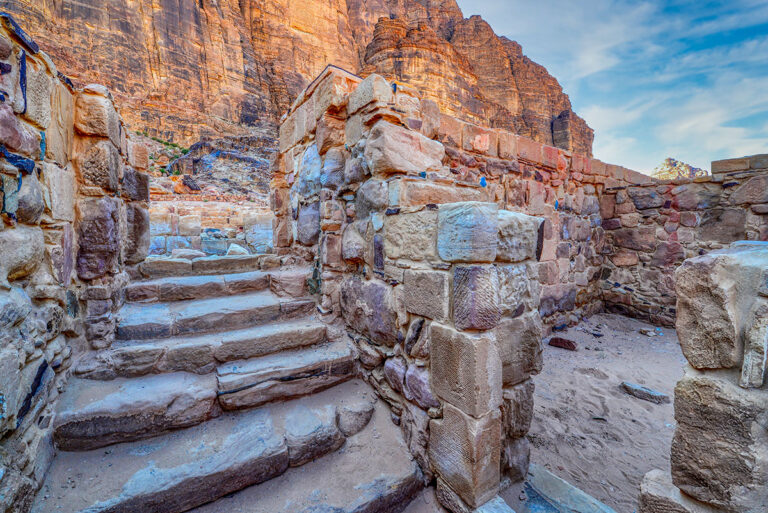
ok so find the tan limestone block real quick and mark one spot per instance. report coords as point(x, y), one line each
point(411, 236)
point(427, 294)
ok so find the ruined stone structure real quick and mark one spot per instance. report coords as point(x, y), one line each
point(417, 260)
point(201, 67)
point(720, 448)
point(74, 214)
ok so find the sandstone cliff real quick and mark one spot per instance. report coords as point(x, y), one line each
point(188, 68)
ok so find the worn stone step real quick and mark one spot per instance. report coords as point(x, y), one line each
point(180, 288)
point(201, 353)
point(190, 467)
point(372, 473)
point(97, 413)
point(158, 267)
point(141, 321)
point(247, 383)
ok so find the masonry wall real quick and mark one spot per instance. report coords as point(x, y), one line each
point(73, 215)
point(651, 228)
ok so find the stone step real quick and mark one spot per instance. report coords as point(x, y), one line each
point(372, 473)
point(290, 282)
point(190, 467)
point(180, 288)
point(159, 267)
point(199, 354)
point(248, 383)
point(141, 321)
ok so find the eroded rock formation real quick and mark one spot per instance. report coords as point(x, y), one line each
point(210, 67)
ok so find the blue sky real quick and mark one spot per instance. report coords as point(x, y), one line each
point(684, 79)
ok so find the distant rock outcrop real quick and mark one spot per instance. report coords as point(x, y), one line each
point(215, 67)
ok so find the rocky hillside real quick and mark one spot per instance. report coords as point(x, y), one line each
point(190, 68)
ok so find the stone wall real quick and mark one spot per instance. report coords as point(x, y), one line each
point(73, 215)
point(719, 451)
point(209, 226)
point(651, 228)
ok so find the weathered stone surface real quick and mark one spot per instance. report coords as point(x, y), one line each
point(311, 434)
point(15, 136)
point(38, 94)
point(394, 372)
point(95, 413)
point(519, 347)
point(475, 297)
point(308, 224)
point(99, 165)
point(22, 248)
point(714, 294)
point(465, 453)
point(392, 149)
point(309, 173)
point(517, 409)
point(644, 393)
point(30, 200)
point(371, 197)
point(427, 294)
point(95, 115)
point(720, 447)
point(98, 235)
point(754, 190)
point(59, 194)
point(468, 232)
point(137, 234)
point(136, 187)
point(723, 225)
point(753, 370)
point(411, 236)
point(516, 458)
point(417, 387)
point(659, 495)
point(353, 415)
point(519, 237)
point(373, 90)
point(645, 197)
point(369, 308)
point(465, 369)
point(642, 238)
point(353, 244)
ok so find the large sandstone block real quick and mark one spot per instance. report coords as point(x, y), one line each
point(308, 224)
point(136, 185)
point(427, 294)
point(137, 228)
point(475, 297)
point(392, 149)
point(22, 249)
point(467, 232)
point(715, 293)
point(517, 409)
point(465, 369)
point(409, 192)
point(519, 289)
point(519, 347)
point(16, 135)
point(374, 91)
point(96, 115)
point(466, 453)
point(98, 235)
point(30, 199)
point(60, 133)
point(59, 192)
point(720, 448)
point(659, 495)
point(369, 308)
point(411, 236)
point(38, 94)
point(521, 237)
point(99, 164)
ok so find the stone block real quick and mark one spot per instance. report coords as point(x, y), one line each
point(369, 308)
point(138, 155)
point(519, 289)
point(311, 434)
point(714, 295)
point(465, 369)
point(466, 452)
point(332, 176)
point(467, 232)
point(374, 90)
point(480, 140)
point(516, 459)
point(507, 145)
point(190, 225)
point(371, 197)
point(16, 136)
point(475, 297)
point(39, 87)
point(99, 164)
point(22, 248)
point(409, 192)
point(411, 236)
point(723, 225)
point(519, 347)
point(309, 173)
point(308, 224)
point(329, 133)
point(416, 387)
point(730, 165)
point(135, 185)
point(96, 115)
point(427, 294)
point(393, 149)
point(720, 447)
point(642, 238)
point(137, 234)
point(645, 197)
point(30, 200)
point(521, 237)
point(756, 346)
point(517, 409)
point(98, 236)
point(60, 135)
point(659, 495)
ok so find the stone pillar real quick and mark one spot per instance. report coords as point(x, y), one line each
point(720, 448)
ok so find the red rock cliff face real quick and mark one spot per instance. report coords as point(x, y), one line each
point(185, 68)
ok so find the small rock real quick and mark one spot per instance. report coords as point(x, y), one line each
point(563, 343)
point(189, 254)
point(647, 332)
point(644, 393)
point(236, 249)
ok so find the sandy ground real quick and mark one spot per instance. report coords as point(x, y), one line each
point(586, 430)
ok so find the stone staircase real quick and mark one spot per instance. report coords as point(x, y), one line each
point(220, 378)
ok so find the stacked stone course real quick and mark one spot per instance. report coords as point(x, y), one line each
point(720, 449)
point(74, 213)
